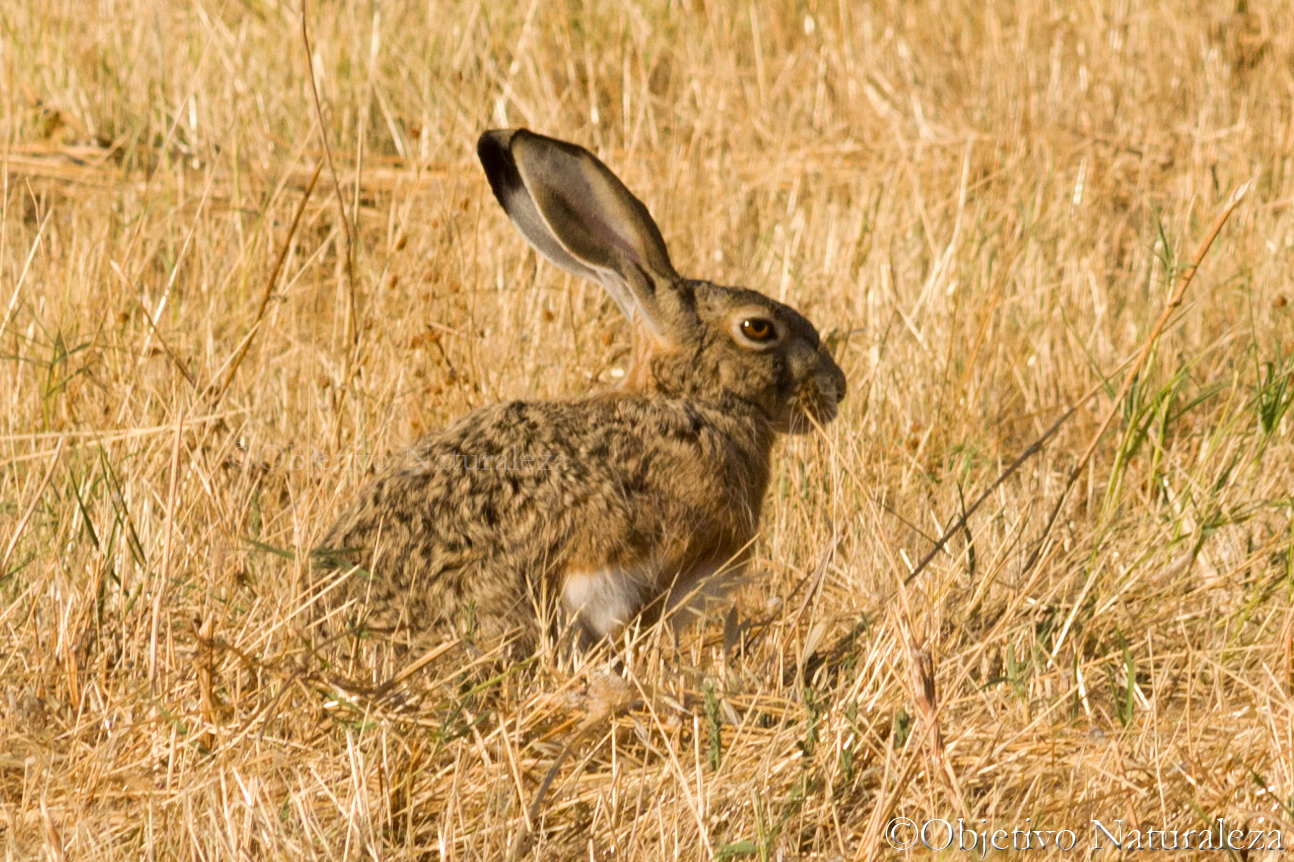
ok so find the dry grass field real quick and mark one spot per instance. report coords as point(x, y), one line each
point(985, 207)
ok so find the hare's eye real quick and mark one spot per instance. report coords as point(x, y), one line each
point(758, 329)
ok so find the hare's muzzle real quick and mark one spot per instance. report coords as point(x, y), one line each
point(818, 397)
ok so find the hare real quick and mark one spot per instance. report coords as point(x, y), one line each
point(612, 505)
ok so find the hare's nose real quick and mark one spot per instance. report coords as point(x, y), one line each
point(830, 378)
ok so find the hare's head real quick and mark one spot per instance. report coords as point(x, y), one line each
point(692, 339)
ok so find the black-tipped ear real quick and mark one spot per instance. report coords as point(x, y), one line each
point(494, 151)
point(500, 170)
point(578, 214)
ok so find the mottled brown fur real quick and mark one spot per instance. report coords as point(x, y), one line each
point(614, 479)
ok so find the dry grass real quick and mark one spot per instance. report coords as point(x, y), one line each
point(984, 205)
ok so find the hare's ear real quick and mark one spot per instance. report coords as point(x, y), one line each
point(578, 214)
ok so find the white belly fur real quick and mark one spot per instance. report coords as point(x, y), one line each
point(602, 601)
point(605, 600)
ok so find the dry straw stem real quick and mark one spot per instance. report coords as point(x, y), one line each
point(919, 659)
point(259, 318)
point(983, 206)
point(1174, 302)
point(351, 321)
point(22, 522)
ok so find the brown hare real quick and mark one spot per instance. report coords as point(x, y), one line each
point(613, 504)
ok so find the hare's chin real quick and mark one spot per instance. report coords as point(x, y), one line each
point(802, 420)
point(797, 424)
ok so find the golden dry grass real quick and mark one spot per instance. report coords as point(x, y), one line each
point(984, 205)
